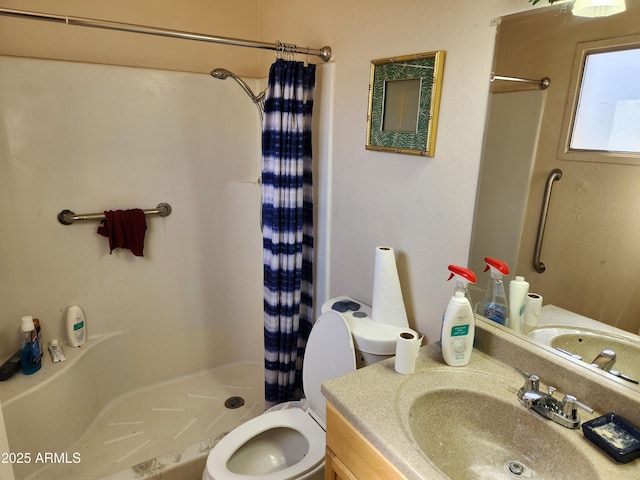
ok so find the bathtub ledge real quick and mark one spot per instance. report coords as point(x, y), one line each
point(20, 385)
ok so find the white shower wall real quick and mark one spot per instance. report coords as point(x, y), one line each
point(91, 137)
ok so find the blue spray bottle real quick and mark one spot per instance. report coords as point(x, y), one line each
point(494, 305)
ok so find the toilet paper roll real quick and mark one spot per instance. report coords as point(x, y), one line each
point(387, 305)
point(532, 310)
point(407, 346)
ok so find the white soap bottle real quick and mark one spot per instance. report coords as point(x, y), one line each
point(458, 331)
point(518, 291)
point(76, 326)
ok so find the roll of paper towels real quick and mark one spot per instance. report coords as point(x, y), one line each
point(531, 311)
point(407, 346)
point(387, 305)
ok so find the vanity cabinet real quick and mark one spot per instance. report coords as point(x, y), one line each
point(350, 456)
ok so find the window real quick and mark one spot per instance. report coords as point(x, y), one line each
point(603, 123)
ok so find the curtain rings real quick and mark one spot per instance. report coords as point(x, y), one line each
point(290, 51)
point(287, 51)
point(280, 50)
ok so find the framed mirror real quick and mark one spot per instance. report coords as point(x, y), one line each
point(404, 99)
point(592, 227)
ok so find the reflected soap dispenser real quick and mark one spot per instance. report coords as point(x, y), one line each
point(518, 292)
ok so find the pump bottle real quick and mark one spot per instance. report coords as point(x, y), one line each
point(494, 305)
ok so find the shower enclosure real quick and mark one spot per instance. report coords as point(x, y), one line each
point(92, 138)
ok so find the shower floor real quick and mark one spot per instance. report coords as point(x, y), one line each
point(156, 427)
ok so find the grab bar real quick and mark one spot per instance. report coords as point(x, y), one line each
point(542, 83)
point(67, 217)
point(554, 175)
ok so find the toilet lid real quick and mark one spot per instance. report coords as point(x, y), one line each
point(329, 354)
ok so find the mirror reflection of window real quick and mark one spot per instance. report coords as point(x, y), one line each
point(608, 111)
point(401, 104)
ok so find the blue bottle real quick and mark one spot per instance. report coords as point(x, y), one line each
point(30, 356)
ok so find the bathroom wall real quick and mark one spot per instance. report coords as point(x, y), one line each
point(423, 207)
point(94, 137)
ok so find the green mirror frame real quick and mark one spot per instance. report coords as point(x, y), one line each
point(420, 139)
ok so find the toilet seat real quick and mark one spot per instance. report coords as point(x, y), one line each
point(295, 418)
point(329, 354)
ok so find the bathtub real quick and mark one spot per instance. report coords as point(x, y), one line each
point(81, 419)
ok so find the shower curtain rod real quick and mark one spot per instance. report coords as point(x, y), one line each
point(324, 53)
point(542, 83)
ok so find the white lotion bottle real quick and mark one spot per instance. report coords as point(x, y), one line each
point(76, 326)
point(458, 331)
point(518, 291)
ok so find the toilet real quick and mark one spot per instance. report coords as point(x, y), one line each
point(287, 442)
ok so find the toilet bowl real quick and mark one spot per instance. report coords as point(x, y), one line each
point(289, 444)
point(278, 445)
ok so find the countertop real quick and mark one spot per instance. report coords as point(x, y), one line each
point(370, 397)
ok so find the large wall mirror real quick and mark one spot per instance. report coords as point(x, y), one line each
point(592, 232)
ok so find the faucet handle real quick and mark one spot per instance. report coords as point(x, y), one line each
point(532, 382)
point(569, 404)
point(530, 399)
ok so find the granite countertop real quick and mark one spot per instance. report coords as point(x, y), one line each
point(370, 398)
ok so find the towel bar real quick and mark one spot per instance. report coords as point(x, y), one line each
point(67, 217)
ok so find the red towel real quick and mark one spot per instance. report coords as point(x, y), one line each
point(125, 229)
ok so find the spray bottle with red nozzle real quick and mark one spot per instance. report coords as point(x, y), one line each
point(463, 277)
point(494, 306)
point(458, 323)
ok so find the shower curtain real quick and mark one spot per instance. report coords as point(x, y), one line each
point(287, 220)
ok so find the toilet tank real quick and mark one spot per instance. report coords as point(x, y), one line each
point(373, 341)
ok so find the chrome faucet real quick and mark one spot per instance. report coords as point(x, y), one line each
point(605, 360)
point(563, 412)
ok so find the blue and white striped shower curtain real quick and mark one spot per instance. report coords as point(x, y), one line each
point(287, 219)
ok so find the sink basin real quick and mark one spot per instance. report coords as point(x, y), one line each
point(589, 343)
point(487, 434)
